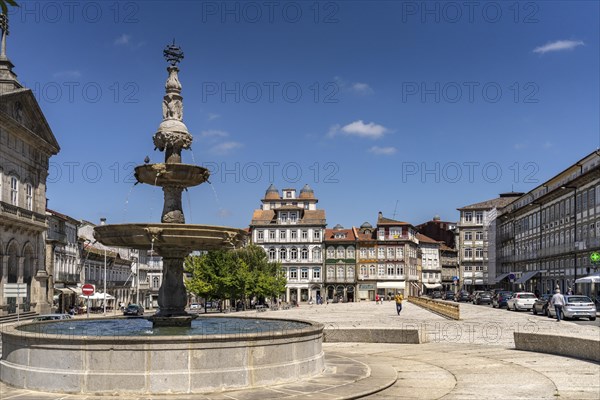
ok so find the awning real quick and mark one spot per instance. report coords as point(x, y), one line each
point(479, 281)
point(502, 277)
point(432, 285)
point(467, 281)
point(63, 290)
point(527, 276)
point(593, 278)
point(390, 285)
point(76, 289)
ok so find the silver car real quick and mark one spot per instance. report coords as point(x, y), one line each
point(577, 306)
point(51, 317)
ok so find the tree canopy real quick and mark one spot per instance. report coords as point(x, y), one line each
point(5, 3)
point(234, 274)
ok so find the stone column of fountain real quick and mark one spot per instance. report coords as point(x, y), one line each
point(172, 239)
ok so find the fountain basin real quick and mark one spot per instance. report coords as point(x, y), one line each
point(161, 364)
point(170, 237)
point(162, 174)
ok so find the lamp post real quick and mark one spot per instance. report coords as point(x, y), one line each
point(103, 222)
point(574, 188)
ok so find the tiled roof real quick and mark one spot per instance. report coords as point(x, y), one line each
point(426, 239)
point(289, 208)
point(363, 236)
point(381, 220)
point(330, 234)
point(444, 247)
point(262, 217)
point(498, 202)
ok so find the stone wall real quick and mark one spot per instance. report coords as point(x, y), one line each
point(443, 308)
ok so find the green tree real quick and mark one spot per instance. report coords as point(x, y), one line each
point(5, 3)
point(234, 275)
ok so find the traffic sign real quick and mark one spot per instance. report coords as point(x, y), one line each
point(511, 277)
point(15, 290)
point(87, 289)
point(595, 257)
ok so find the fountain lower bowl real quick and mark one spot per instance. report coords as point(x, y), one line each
point(185, 237)
point(163, 364)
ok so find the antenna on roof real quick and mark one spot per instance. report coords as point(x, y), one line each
point(395, 208)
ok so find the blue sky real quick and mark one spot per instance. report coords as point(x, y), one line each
point(412, 107)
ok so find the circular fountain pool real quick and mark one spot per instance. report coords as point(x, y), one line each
point(101, 356)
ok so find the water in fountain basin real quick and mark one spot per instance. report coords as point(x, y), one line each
point(204, 326)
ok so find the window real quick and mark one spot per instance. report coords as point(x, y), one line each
point(155, 282)
point(29, 197)
point(304, 234)
point(399, 270)
point(293, 273)
point(294, 253)
point(260, 235)
point(304, 273)
point(272, 253)
point(363, 252)
point(282, 253)
point(479, 252)
point(14, 191)
point(294, 234)
point(478, 235)
point(468, 216)
point(317, 235)
point(381, 270)
point(330, 272)
point(1, 180)
point(381, 252)
point(350, 272)
point(399, 253)
point(340, 272)
point(390, 269)
point(306, 205)
point(316, 273)
point(281, 234)
point(363, 270)
point(350, 252)
point(330, 252)
point(283, 217)
point(293, 217)
point(288, 195)
point(372, 270)
point(468, 252)
point(395, 233)
point(479, 217)
point(341, 252)
point(390, 253)
point(271, 234)
point(304, 254)
point(372, 252)
point(316, 254)
point(468, 236)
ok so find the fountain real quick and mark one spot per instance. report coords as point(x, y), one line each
point(171, 352)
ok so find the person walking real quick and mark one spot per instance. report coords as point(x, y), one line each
point(398, 298)
point(558, 301)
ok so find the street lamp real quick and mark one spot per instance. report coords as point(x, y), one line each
point(574, 188)
point(103, 222)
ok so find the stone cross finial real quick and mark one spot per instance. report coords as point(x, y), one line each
point(4, 29)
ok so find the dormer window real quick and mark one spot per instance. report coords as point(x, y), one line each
point(283, 217)
point(288, 195)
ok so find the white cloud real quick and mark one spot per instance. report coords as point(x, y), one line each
point(547, 145)
point(360, 129)
point(123, 40)
point(520, 146)
point(213, 133)
point(225, 148)
point(361, 88)
point(68, 74)
point(558, 45)
point(384, 151)
point(212, 116)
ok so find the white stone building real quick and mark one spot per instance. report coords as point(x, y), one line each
point(290, 229)
point(431, 267)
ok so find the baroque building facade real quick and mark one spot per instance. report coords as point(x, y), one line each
point(290, 229)
point(26, 145)
point(340, 264)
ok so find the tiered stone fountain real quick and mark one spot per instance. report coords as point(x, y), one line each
point(175, 354)
point(171, 239)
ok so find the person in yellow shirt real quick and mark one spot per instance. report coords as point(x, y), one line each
point(398, 298)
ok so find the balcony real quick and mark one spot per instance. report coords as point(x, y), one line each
point(57, 236)
point(67, 277)
point(14, 214)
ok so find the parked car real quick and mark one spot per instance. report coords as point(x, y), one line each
point(540, 306)
point(472, 296)
point(461, 296)
point(194, 306)
point(134, 309)
point(436, 295)
point(449, 295)
point(521, 301)
point(483, 298)
point(50, 317)
point(577, 306)
point(500, 299)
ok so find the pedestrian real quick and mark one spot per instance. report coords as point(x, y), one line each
point(377, 299)
point(398, 298)
point(558, 301)
point(569, 291)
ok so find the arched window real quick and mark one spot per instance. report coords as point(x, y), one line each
point(350, 252)
point(282, 253)
point(330, 252)
point(272, 253)
point(294, 253)
point(29, 197)
point(14, 191)
point(304, 254)
point(316, 254)
point(341, 252)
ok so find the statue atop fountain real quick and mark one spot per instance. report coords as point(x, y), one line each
point(172, 238)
